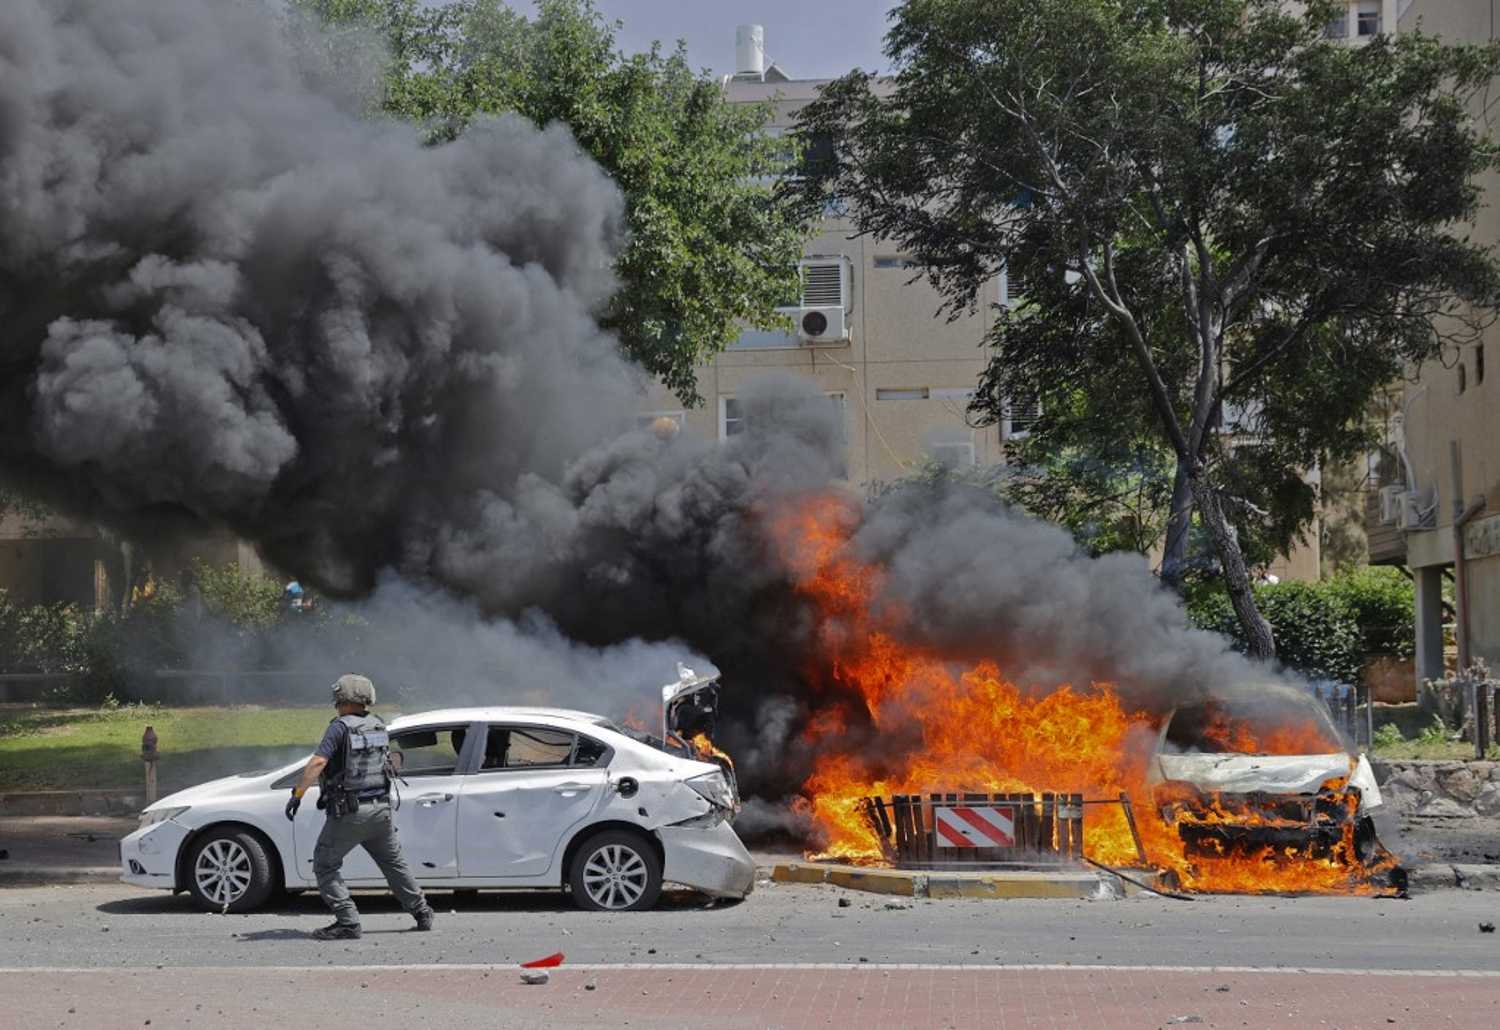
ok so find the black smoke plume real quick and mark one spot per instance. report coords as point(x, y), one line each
point(228, 298)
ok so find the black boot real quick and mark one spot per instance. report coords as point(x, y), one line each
point(424, 919)
point(338, 932)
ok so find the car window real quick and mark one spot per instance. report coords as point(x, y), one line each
point(589, 752)
point(533, 745)
point(530, 747)
point(431, 751)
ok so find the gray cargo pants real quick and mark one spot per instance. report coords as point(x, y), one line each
point(369, 826)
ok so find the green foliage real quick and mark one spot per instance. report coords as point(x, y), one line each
point(244, 599)
point(1112, 492)
point(43, 638)
point(710, 248)
point(1231, 231)
point(1384, 604)
point(1436, 733)
point(1388, 736)
point(1316, 632)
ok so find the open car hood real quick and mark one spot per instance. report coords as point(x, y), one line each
point(1271, 774)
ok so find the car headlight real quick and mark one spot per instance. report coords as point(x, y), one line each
point(160, 815)
point(714, 789)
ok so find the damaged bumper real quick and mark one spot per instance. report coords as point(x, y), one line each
point(711, 859)
point(148, 857)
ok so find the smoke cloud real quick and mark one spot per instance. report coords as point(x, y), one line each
point(227, 298)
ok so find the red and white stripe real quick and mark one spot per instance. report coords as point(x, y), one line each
point(975, 827)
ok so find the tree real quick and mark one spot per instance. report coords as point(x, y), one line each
point(1249, 225)
point(710, 247)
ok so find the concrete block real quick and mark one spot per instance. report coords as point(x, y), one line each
point(797, 872)
point(876, 881)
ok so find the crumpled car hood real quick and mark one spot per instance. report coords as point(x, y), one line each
point(1271, 774)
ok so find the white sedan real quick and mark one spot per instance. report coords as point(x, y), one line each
point(489, 798)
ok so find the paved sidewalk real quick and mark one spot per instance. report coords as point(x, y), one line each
point(869, 997)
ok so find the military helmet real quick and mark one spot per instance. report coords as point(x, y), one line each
point(353, 689)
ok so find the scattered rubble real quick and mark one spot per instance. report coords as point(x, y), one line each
point(535, 976)
point(1486, 927)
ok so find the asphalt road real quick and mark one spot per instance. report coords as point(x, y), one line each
point(119, 926)
point(788, 957)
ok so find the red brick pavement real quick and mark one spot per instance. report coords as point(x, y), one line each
point(863, 997)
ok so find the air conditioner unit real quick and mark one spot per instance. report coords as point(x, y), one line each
point(1390, 504)
point(820, 317)
point(1411, 511)
point(822, 325)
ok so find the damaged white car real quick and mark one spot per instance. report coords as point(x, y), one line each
point(488, 798)
point(1264, 767)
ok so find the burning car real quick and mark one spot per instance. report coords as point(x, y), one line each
point(489, 798)
point(1261, 776)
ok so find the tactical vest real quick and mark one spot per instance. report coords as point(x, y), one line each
point(362, 772)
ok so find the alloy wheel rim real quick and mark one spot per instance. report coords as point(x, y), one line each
point(615, 877)
point(223, 872)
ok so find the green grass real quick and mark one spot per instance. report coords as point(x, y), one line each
point(51, 749)
point(1423, 748)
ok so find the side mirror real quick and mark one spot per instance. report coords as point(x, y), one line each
point(627, 786)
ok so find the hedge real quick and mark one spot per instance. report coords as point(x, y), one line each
point(1317, 631)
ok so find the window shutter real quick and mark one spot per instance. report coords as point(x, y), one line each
point(823, 284)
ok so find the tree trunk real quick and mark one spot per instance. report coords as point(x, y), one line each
point(1236, 574)
point(1179, 522)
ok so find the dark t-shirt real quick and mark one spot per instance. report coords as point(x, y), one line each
point(331, 747)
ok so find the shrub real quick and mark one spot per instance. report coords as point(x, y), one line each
point(1389, 735)
point(1383, 602)
point(1316, 632)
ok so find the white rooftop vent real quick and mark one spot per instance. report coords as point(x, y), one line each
point(750, 50)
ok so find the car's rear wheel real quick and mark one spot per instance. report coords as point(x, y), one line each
point(615, 871)
point(228, 870)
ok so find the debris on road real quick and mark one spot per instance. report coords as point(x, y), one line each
point(546, 962)
point(1486, 927)
point(1186, 1019)
point(844, 902)
point(535, 976)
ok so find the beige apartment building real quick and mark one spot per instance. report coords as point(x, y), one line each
point(868, 334)
point(1443, 436)
point(865, 332)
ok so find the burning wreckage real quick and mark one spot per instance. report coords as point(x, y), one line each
point(927, 761)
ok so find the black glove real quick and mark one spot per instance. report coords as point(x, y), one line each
point(293, 805)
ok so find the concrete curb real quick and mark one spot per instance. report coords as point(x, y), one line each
point(908, 883)
point(44, 876)
point(1068, 885)
point(1442, 876)
point(71, 802)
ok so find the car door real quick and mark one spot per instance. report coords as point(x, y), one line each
point(429, 760)
point(533, 787)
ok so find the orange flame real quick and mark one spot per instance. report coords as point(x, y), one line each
point(897, 719)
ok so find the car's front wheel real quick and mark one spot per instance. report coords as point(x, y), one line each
point(228, 870)
point(615, 871)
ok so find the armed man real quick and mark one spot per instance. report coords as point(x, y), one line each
point(353, 772)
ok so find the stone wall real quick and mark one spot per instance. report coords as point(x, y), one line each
point(1440, 788)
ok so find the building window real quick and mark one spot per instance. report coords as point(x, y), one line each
point(894, 261)
point(1338, 26)
point(953, 454)
point(914, 393)
point(1012, 288)
point(764, 339)
point(1367, 21)
point(733, 422)
point(1479, 364)
point(1463, 378)
point(731, 419)
point(1021, 415)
